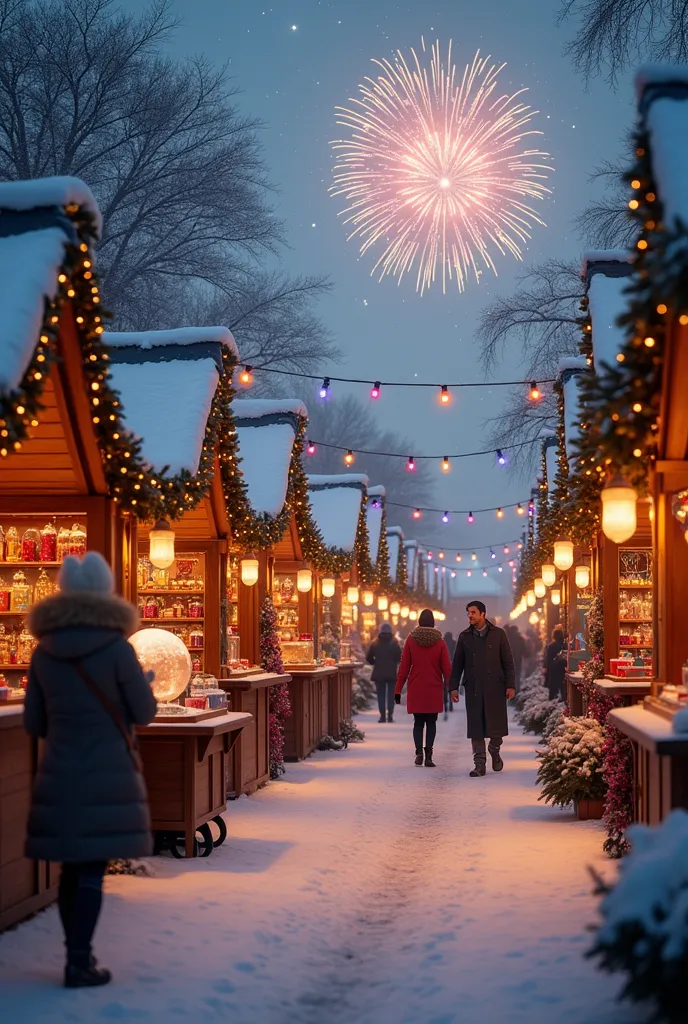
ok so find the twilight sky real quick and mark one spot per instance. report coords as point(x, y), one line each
point(292, 78)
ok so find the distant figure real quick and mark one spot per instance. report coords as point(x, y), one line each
point(483, 658)
point(86, 691)
point(426, 666)
point(518, 649)
point(451, 647)
point(555, 666)
point(384, 654)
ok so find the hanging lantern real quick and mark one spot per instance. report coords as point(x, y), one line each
point(618, 510)
point(352, 595)
point(563, 554)
point(328, 586)
point(405, 611)
point(530, 599)
point(395, 608)
point(304, 581)
point(549, 575)
point(382, 603)
point(413, 615)
point(249, 570)
point(161, 539)
point(555, 596)
point(582, 576)
point(539, 587)
point(368, 598)
point(533, 618)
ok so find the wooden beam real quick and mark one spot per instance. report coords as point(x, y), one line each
point(673, 433)
point(674, 474)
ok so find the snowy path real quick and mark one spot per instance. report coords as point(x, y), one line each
point(359, 889)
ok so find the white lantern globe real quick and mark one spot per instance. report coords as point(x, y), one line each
point(539, 587)
point(248, 568)
point(352, 595)
point(394, 608)
point(563, 554)
point(161, 538)
point(555, 596)
point(304, 581)
point(328, 586)
point(163, 653)
point(382, 603)
point(549, 574)
point(533, 618)
point(582, 576)
point(368, 598)
point(619, 515)
point(531, 599)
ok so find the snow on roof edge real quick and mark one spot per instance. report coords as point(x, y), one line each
point(339, 480)
point(377, 491)
point(572, 363)
point(33, 193)
point(592, 256)
point(257, 408)
point(659, 74)
point(395, 531)
point(174, 336)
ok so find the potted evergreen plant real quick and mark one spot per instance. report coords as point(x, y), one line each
point(570, 770)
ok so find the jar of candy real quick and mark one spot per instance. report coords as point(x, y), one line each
point(77, 540)
point(21, 593)
point(12, 545)
point(4, 596)
point(196, 637)
point(44, 586)
point(25, 647)
point(12, 660)
point(63, 536)
point(142, 573)
point(48, 548)
point(196, 608)
point(151, 609)
point(196, 665)
point(30, 545)
point(4, 647)
point(2, 544)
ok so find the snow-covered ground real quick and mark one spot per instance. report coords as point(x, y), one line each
point(359, 889)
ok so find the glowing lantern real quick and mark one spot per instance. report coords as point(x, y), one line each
point(249, 570)
point(539, 588)
point(405, 611)
point(413, 615)
point(563, 554)
point(352, 595)
point(368, 598)
point(327, 586)
point(382, 603)
point(533, 618)
point(618, 510)
point(582, 576)
point(530, 598)
point(304, 581)
point(549, 575)
point(166, 655)
point(395, 608)
point(161, 539)
point(555, 596)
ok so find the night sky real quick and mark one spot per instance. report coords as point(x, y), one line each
point(294, 62)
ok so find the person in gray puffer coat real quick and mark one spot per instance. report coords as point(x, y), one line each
point(89, 799)
point(384, 654)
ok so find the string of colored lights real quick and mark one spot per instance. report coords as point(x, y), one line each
point(411, 460)
point(483, 570)
point(520, 506)
point(439, 551)
point(427, 548)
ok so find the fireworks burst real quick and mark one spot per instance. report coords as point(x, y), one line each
point(435, 169)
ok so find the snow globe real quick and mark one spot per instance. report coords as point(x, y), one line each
point(165, 654)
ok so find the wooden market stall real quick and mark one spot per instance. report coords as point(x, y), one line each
point(57, 413)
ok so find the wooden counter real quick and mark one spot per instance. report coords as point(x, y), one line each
point(339, 696)
point(248, 765)
point(632, 689)
point(660, 762)
point(185, 765)
point(26, 886)
point(574, 694)
point(310, 715)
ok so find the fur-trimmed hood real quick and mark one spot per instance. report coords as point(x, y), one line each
point(426, 636)
point(86, 611)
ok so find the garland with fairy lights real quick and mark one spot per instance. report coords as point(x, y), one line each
point(382, 574)
point(586, 476)
point(625, 398)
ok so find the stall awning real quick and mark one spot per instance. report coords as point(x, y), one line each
point(606, 274)
point(336, 506)
point(266, 431)
point(663, 95)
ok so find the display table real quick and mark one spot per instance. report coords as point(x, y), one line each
point(340, 696)
point(185, 766)
point(26, 886)
point(660, 761)
point(310, 717)
point(248, 765)
point(574, 694)
point(633, 690)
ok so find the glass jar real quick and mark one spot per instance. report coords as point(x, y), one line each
point(196, 608)
point(25, 647)
point(233, 649)
point(12, 545)
point(48, 547)
point(196, 637)
point(4, 596)
point(44, 586)
point(30, 545)
point(151, 608)
point(63, 536)
point(2, 544)
point(77, 541)
point(4, 647)
point(21, 593)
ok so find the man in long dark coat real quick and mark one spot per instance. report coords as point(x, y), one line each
point(483, 657)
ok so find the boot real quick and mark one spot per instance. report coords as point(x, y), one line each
point(381, 719)
point(497, 763)
point(478, 772)
point(429, 763)
point(419, 757)
point(82, 971)
point(390, 717)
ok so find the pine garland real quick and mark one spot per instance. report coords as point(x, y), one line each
point(280, 703)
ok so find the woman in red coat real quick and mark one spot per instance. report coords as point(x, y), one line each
point(426, 666)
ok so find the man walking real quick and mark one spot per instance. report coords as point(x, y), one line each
point(483, 657)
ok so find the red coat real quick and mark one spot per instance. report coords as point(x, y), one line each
point(426, 665)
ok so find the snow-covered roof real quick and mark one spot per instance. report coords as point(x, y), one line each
point(412, 551)
point(374, 516)
point(663, 96)
point(266, 432)
point(167, 405)
point(607, 302)
point(37, 193)
point(148, 340)
point(395, 538)
point(606, 258)
point(29, 265)
point(336, 504)
point(551, 459)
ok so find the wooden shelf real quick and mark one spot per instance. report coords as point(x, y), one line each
point(170, 622)
point(181, 592)
point(636, 620)
point(14, 668)
point(30, 565)
point(13, 614)
point(635, 586)
point(636, 647)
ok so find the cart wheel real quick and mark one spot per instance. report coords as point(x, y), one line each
point(177, 845)
point(221, 824)
point(206, 846)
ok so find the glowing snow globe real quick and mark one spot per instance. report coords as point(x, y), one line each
point(165, 654)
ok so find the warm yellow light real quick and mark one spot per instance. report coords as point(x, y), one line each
point(161, 538)
point(563, 554)
point(637, 407)
point(368, 598)
point(635, 183)
point(413, 614)
point(649, 343)
point(349, 458)
point(352, 595)
point(382, 603)
point(405, 611)
point(246, 377)
point(165, 654)
point(533, 618)
point(549, 575)
point(619, 519)
point(582, 576)
point(304, 581)
point(395, 608)
point(539, 587)
point(530, 598)
point(328, 586)
point(555, 596)
point(445, 465)
point(249, 570)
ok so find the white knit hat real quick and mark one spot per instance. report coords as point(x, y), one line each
point(91, 575)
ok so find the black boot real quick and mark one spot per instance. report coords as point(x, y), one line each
point(82, 971)
point(419, 757)
point(497, 763)
point(478, 771)
point(429, 763)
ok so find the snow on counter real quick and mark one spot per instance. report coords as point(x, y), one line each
point(29, 265)
point(167, 405)
point(336, 504)
point(148, 340)
point(41, 192)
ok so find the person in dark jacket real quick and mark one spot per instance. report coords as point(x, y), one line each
point(426, 667)
point(518, 647)
point(483, 658)
point(451, 647)
point(89, 799)
point(555, 666)
point(384, 654)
